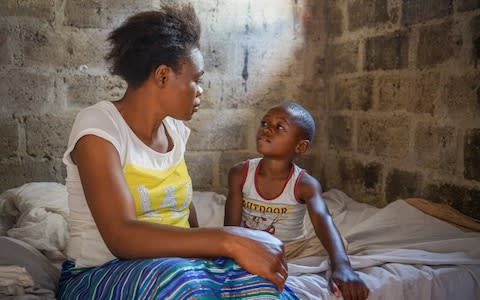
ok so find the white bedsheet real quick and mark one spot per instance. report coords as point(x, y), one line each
point(400, 253)
point(393, 281)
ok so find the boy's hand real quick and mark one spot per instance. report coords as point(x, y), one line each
point(348, 284)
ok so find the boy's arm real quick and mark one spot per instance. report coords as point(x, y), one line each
point(233, 205)
point(310, 192)
point(343, 277)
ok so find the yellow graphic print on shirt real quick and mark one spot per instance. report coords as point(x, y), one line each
point(263, 216)
point(161, 196)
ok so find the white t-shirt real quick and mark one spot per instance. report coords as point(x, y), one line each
point(159, 182)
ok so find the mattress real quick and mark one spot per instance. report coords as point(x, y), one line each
point(400, 251)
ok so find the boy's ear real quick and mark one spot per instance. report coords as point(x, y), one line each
point(160, 75)
point(302, 146)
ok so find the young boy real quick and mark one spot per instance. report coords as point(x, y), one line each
point(272, 194)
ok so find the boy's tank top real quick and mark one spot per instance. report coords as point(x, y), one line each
point(282, 216)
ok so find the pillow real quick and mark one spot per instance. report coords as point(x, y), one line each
point(210, 208)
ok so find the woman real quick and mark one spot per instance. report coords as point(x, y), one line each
point(130, 192)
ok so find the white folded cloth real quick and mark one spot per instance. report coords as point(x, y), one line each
point(14, 280)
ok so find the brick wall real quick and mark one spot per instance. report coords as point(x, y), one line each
point(393, 85)
point(257, 53)
point(403, 101)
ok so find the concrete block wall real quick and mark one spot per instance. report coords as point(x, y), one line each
point(403, 97)
point(257, 53)
point(393, 85)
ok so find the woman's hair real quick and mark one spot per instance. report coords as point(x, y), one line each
point(152, 38)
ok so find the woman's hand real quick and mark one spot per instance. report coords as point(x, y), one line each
point(345, 282)
point(259, 253)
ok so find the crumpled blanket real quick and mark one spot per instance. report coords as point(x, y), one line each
point(39, 211)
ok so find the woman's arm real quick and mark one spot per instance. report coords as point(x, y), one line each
point(343, 277)
point(113, 210)
point(233, 205)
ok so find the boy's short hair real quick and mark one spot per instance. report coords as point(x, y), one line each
point(303, 118)
point(152, 38)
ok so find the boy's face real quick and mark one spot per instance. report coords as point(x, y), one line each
point(279, 134)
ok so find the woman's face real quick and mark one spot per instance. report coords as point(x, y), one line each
point(184, 87)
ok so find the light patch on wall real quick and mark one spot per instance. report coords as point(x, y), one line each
point(256, 43)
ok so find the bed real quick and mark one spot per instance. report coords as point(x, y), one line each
point(410, 249)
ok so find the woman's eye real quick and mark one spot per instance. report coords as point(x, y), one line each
point(263, 123)
point(280, 127)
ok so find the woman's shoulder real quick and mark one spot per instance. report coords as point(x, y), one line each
point(178, 127)
point(102, 115)
point(99, 119)
point(100, 109)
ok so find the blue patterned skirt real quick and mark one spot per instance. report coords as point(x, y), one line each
point(166, 278)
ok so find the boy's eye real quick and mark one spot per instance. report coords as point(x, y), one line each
point(279, 126)
point(263, 123)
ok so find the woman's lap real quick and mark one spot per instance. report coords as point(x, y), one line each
point(166, 278)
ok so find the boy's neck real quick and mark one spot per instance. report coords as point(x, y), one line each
point(275, 169)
